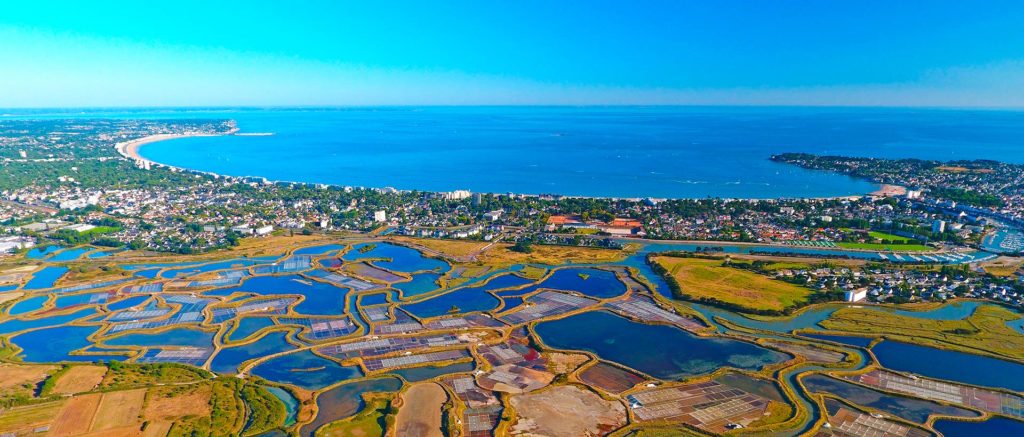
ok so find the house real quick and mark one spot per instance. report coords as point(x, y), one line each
point(494, 215)
point(856, 295)
point(622, 226)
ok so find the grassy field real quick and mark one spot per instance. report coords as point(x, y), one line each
point(532, 272)
point(265, 410)
point(368, 423)
point(271, 245)
point(500, 255)
point(79, 379)
point(984, 332)
point(136, 375)
point(166, 400)
point(27, 417)
point(81, 272)
point(1003, 266)
point(886, 247)
point(887, 236)
point(709, 279)
point(453, 248)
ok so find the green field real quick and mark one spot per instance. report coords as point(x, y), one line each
point(886, 236)
point(370, 422)
point(707, 278)
point(887, 247)
point(985, 331)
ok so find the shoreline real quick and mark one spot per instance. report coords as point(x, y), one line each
point(130, 150)
point(889, 190)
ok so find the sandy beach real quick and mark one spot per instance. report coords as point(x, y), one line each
point(887, 190)
point(130, 149)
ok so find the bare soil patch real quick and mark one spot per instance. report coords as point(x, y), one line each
point(610, 378)
point(564, 363)
point(566, 410)
point(77, 415)
point(420, 414)
point(166, 405)
point(120, 409)
point(17, 376)
point(10, 295)
point(80, 379)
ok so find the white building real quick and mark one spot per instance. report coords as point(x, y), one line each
point(264, 230)
point(457, 195)
point(494, 215)
point(856, 295)
point(380, 216)
point(10, 244)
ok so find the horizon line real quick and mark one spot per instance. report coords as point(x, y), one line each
point(507, 105)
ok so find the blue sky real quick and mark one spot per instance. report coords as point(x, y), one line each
point(890, 53)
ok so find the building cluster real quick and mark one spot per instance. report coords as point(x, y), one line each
point(894, 285)
point(162, 208)
point(979, 186)
point(62, 139)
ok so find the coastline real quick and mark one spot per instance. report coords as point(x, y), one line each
point(130, 150)
point(887, 190)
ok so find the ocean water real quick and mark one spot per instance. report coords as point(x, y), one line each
point(676, 152)
point(622, 152)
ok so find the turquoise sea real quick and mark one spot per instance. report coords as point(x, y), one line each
point(673, 152)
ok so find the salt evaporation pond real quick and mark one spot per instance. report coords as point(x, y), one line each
point(50, 345)
point(306, 370)
point(28, 305)
point(228, 359)
point(661, 351)
point(16, 325)
point(396, 258)
point(45, 278)
point(421, 283)
point(71, 254)
point(465, 300)
point(321, 299)
point(37, 253)
point(247, 326)
point(416, 374)
point(914, 410)
point(346, 400)
point(950, 365)
point(170, 337)
point(996, 426)
point(591, 282)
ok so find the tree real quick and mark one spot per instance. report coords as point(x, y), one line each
point(522, 246)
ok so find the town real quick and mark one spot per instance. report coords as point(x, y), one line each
point(58, 189)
